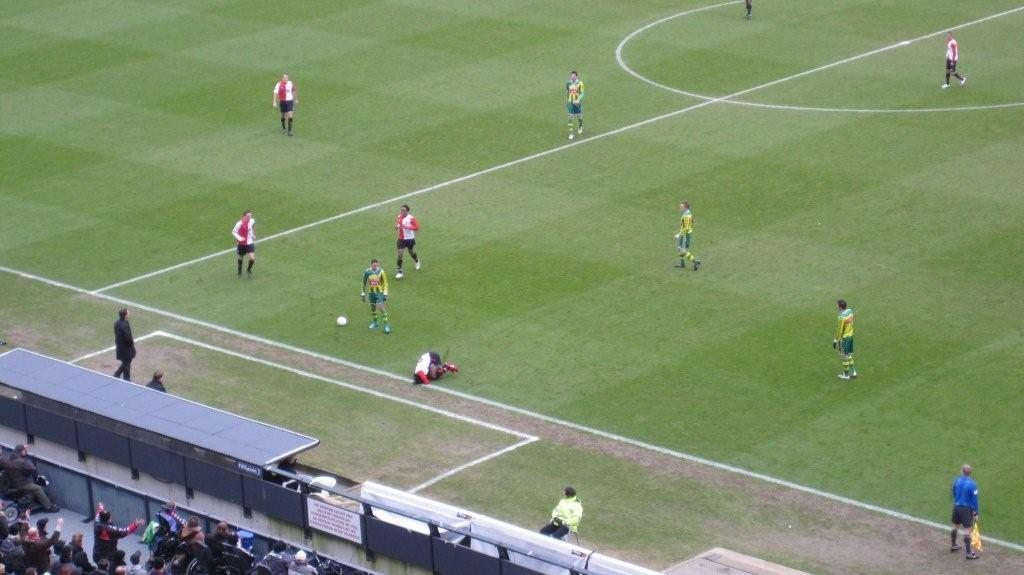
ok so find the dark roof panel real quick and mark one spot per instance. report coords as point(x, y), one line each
point(161, 413)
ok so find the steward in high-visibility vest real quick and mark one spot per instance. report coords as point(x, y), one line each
point(565, 517)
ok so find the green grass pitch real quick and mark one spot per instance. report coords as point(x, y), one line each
point(135, 133)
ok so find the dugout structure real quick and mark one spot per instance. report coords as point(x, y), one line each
point(100, 438)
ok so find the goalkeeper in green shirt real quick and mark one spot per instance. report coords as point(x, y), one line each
point(574, 102)
point(375, 288)
point(843, 339)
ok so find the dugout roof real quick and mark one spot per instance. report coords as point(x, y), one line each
point(80, 393)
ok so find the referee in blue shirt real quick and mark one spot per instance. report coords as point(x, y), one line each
point(965, 510)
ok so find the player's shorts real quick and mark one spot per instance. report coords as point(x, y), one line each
point(685, 240)
point(286, 105)
point(246, 249)
point(574, 109)
point(963, 516)
point(950, 65)
point(377, 298)
point(407, 244)
point(846, 346)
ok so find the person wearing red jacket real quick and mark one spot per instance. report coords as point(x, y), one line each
point(105, 535)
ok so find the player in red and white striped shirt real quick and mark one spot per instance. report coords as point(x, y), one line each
point(407, 227)
point(245, 236)
point(286, 95)
point(952, 55)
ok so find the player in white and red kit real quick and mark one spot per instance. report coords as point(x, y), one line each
point(429, 367)
point(952, 55)
point(245, 236)
point(407, 227)
point(286, 95)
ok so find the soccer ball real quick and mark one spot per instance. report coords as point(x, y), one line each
point(342, 320)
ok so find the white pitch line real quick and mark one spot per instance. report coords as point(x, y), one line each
point(506, 407)
point(466, 466)
point(707, 101)
point(346, 385)
point(730, 99)
point(112, 348)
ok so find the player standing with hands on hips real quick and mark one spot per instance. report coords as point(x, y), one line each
point(952, 55)
point(407, 227)
point(245, 234)
point(286, 95)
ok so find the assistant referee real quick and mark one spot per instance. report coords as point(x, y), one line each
point(965, 510)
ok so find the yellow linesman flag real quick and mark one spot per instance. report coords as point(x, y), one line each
point(976, 537)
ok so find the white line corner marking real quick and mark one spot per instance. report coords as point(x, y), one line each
point(112, 348)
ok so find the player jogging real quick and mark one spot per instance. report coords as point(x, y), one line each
point(407, 227)
point(685, 237)
point(286, 95)
point(429, 367)
point(750, 6)
point(375, 285)
point(574, 102)
point(952, 55)
point(843, 339)
point(245, 236)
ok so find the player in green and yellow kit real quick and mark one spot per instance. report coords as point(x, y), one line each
point(375, 285)
point(685, 237)
point(843, 339)
point(574, 102)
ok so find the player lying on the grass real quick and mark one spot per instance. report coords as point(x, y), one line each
point(429, 367)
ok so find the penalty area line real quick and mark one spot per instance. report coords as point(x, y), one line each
point(346, 385)
point(476, 461)
point(112, 348)
point(509, 408)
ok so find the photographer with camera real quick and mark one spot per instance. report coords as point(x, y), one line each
point(565, 517)
point(21, 473)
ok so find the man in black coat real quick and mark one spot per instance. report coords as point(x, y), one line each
point(124, 343)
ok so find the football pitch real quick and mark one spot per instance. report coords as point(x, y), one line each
point(819, 153)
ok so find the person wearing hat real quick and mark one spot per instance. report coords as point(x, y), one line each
point(565, 517)
point(300, 566)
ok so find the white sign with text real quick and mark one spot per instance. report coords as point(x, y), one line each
point(334, 520)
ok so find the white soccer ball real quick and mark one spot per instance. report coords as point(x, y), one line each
point(342, 320)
